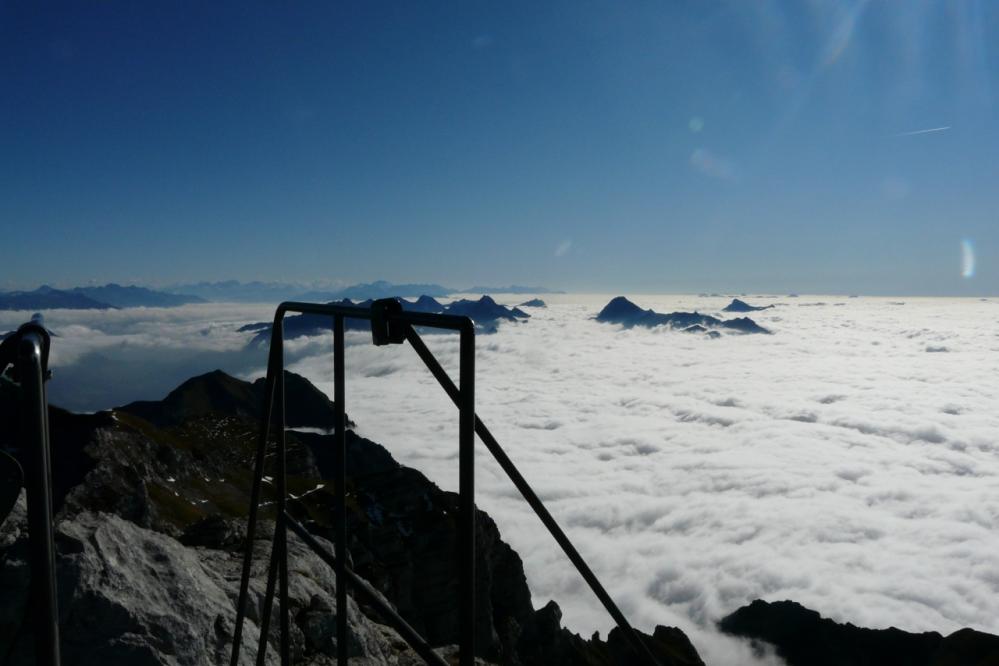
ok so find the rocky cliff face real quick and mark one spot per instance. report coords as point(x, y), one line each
point(151, 504)
point(802, 637)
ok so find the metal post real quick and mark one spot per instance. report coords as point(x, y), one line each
point(282, 504)
point(391, 325)
point(265, 615)
point(630, 635)
point(35, 430)
point(340, 478)
point(274, 368)
point(371, 597)
point(466, 494)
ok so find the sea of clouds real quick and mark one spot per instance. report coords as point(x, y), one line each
point(849, 462)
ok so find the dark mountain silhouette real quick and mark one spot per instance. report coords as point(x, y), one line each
point(533, 303)
point(622, 311)
point(218, 393)
point(47, 298)
point(485, 312)
point(742, 306)
point(423, 304)
point(802, 637)
point(131, 296)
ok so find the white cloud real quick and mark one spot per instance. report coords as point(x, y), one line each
point(835, 463)
point(563, 248)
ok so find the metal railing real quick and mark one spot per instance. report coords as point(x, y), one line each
point(390, 324)
point(27, 350)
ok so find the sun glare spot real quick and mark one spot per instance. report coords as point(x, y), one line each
point(967, 259)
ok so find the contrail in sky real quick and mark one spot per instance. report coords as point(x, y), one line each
point(925, 131)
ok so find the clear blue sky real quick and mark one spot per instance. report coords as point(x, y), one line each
point(600, 146)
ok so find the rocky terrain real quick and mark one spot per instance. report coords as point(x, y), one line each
point(802, 637)
point(485, 312)
point(622, 311)
point(151, 501)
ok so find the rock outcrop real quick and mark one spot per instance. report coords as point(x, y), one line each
point(533, 303)
point(152, 501)
point(622, 311)
point(802, 637)
point(130, 595)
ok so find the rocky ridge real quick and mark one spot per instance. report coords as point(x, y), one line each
point(151, 500)
point(802, 637)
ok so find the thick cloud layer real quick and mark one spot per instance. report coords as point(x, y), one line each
point(848, 462)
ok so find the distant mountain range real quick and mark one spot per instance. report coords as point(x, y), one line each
point(485, 312)
point(375, 290)
point(233, 291)
point(275, 292)
point(110, 296)
point(47, 298)
point(510, 289)
point(131, 296)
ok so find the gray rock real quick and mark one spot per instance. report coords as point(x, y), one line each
point(129, 595)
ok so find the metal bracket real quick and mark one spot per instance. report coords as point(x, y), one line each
point(386, 329)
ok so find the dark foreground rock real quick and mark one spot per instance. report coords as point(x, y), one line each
point(802, 637)
point(152, 501)
point(622, 311)
point(129, 595)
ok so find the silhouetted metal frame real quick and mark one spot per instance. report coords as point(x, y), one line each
point(28, 351)
point(469, 425)
point(277, 569)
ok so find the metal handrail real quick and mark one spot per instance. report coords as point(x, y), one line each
point(390, 325)
point(27, 350)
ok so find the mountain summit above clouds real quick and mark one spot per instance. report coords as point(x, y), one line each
point(742, 306)
point(622, 311)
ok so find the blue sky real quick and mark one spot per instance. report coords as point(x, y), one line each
point(591, 146)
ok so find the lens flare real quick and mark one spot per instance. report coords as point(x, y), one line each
point(967, 259)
